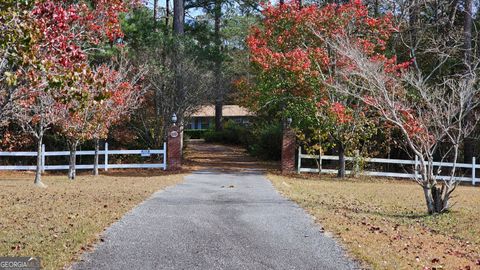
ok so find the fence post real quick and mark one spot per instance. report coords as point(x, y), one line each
point(320, 161)
point(474, 166)
point(164, 156)
point(299, 165)
point(43, 158)
point(106, 156)
point(356, 163)
point(416, 167)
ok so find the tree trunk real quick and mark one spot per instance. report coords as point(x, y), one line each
point(178, 17)
point(341, 160)
point(467, 34)
point(167, 15)
point(437, 199)
point(446, 200)
point(356, 164)
point(38, 172)
point(218, 67)
point(469, 143)
point(95, 160)
point(72, 172)
point(178, 30)
point(155, 13)
point(218, 114)
point(429, 200)
point(413, 23)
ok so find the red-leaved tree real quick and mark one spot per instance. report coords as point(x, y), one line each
point(123, 94)
point(59, 75)
point(432, 117)
point(91, 117)
point(296, 67)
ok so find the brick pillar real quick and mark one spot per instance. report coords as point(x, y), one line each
point(174, 149)
point(288, 150)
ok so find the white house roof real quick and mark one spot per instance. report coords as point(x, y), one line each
point(228, 111)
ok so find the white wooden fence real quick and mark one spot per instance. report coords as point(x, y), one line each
point(104, 165)
point(415, 164)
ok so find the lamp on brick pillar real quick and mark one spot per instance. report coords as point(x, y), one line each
point(174, 146)
point(288, 148)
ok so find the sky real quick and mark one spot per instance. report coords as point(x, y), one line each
point(161, 3)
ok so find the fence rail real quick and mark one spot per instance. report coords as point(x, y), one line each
point(415, 163)
point(105, 165)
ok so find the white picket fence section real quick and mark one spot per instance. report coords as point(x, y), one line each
point(415, 163)
point(103, 165)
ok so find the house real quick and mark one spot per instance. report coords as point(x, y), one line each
point(204, 117)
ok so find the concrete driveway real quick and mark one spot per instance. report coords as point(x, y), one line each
point(217, 220)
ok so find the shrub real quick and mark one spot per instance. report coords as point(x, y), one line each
point(263, 140)
point(267, 142)
point(213, 136)
point(232, 133)
point(196, 133)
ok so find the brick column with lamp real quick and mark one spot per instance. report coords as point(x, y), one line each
point(174, 146)
point(288, 148)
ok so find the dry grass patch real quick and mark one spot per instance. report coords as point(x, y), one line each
point(61, 221)
point(383, 222)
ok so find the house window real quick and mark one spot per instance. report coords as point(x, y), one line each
point(191, 125)
point(205, 123)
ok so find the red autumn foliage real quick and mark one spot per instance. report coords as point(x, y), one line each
point(122, 96)
point(59, 86)
point(68, 29)
point(293, 44)
point(295, 39)
point(61, 73)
